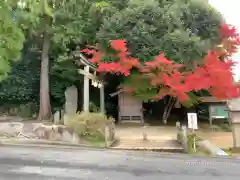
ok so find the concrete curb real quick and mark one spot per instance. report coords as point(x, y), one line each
point(68, 146)
point(65, 145)
point(177, 151)
point(48, 144)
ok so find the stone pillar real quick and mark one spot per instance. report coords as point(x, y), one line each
point(234, 115)
point(102, 100)
point(86, 90)
point(235, 120)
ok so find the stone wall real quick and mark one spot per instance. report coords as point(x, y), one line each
point(20, 130)
point(40, 131)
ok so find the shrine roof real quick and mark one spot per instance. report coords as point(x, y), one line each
point(211, 99)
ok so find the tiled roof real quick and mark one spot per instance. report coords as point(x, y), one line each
point(211, 99)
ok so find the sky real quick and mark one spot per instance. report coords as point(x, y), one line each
point(231, 12)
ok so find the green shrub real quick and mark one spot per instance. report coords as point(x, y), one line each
point(22, 110)
point(93, 108)
point(89, 124)
point(191, 138)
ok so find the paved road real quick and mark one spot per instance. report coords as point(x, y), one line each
point(53, 164)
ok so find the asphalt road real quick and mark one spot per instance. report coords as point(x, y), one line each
point(53, 164)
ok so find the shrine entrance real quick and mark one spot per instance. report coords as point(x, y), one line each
point(89, 71)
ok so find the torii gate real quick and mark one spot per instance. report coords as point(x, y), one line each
point(96, 82)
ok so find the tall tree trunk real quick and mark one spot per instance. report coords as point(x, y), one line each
point(168, 109)
point(45, 106)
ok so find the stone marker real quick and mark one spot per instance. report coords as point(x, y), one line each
point(71, 97)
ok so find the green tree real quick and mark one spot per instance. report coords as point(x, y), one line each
point(60, 26)
point(53, 29)
point(11, 38)
point(22, 84)
point(183, 30)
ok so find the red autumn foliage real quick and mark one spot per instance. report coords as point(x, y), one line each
point(230, 39)
point(227, 31)
point(214, 75)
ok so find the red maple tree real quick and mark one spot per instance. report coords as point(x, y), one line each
point(213, 74)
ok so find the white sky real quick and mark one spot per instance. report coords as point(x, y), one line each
point(230, 10)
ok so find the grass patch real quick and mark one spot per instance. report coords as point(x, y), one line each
point(226, 127)
point(95, 141)
point(191, 143)
point(191, 139)
point(201, 153)
point(198, 151)
point(220, 128)
point(228, 151)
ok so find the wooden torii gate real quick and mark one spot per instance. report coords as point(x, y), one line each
point(96, 82)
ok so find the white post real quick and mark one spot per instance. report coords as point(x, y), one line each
point(86, 90)
point(102, 100)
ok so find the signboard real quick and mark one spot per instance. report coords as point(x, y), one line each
point(192, 121)
point(218, 111)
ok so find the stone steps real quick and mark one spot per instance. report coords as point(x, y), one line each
point(149, 137)
point(151, 145)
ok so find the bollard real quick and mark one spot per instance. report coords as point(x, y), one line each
point(145, 133)
point(178, 126)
